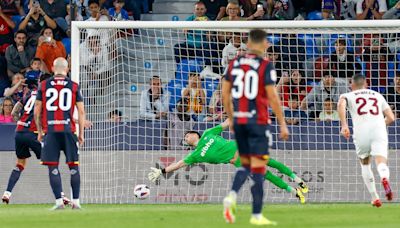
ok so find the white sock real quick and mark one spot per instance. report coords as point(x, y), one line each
point(233, 194)
point(369, 180)
point(383, 170)
point(62, 195)
point(297, 179)
point(59, 202)
point(7, 193)
point(76, 202)
point(257, 216)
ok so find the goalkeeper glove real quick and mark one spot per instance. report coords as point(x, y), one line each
point(154, 174)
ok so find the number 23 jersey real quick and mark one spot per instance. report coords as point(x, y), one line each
point(249, 74)
point(59, 96)
point(366, 108)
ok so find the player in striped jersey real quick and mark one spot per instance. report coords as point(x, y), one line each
point(54, 109)
point(25, 136)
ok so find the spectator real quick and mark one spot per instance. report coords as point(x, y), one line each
point(35, 21)
point(115, 116)
point(118, 13)
point(274, 54)
point(376, 56)
point(6, 31)
point(197, 97)
point(231, 50)
point(6, 108)
point(329, 112)
point(252, 9)
point(215, 109)
point(293, 115)
point(215, 8)
point(344, 61)
point(20, 54)
point(49, 49)
point(154, 101)
point(279, 10)
point(339, 9)
point(12, 7)
point(293, 51)
point(328, 9)
point(78, 16)
point(330, 86)
point(34, 72)
point(393, 13)
point(370, 9)
point(196, 44)
point(18, 88)
point(295, 85)
point(4, 80)
point(96, 13)
point(179, 122)
point(393, 95)
point(306, 6)
point(233, 11)
point(57, 10)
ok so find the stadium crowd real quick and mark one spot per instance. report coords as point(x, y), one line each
point(313, 69)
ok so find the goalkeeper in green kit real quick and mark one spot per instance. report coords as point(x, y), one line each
point(212, 148)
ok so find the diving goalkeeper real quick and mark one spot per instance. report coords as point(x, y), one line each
point(212, 148)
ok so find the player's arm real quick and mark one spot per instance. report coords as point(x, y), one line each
point(227, 99)
point(156, 173)
point(389, 116)
point(37, 115)
point(15, 113)
point(225, 124)
point(81, 121)
point(342, 104)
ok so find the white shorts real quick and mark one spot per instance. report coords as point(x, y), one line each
point(371, 145)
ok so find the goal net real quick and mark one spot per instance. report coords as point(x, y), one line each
point(146, 83)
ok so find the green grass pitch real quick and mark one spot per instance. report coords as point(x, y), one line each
point(201, 216)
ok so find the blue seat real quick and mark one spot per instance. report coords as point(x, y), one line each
point(210, 85)
point(274, 39)
point(332, 40)
point(67, 44)
point(17, 20)
point(315, 15)
point(174, 88)
point(186, 66)
point(311, 48)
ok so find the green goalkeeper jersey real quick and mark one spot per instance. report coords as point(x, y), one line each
point(212, 148)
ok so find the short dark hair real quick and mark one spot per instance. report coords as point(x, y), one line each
point(44, 29)
point(19, 32)
point(45, 76)
point(358, 79)
point(154, 77)
point(192, 132)
point(93, 2)
point(36, 59)
point(341, 41)
point(257, 35)
point(328, 99)
point(115, 112)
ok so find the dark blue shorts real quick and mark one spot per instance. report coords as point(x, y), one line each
point(24, 141)
point(253, 139)
point(54, 143)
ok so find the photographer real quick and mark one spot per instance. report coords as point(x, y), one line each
point(49, 49)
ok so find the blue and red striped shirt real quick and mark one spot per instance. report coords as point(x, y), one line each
point(249, 74)
point(27, 123)
point(59, 96)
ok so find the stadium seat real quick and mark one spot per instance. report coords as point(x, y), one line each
point(174, 88)
point(17, 20)
point(311, 48)
point(210, 85)
point(67, 44)
point(315, 15)
point(186, 66)
point(332, 40)
point(274, 39)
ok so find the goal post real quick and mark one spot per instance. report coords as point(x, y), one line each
point(115, 61)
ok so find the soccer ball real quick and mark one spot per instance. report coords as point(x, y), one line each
point(141, 191)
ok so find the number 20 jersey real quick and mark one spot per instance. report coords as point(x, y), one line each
point(59, 96)
point(366, 109)
point(249, 74)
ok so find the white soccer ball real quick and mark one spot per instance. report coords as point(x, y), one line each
point(141, 191)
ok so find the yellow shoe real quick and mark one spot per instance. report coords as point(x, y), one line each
point(262, 221)
point(300, 196)
point(229, 209)
point(303, 187)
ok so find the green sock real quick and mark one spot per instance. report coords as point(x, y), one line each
point(281, 167)
point(277, 181)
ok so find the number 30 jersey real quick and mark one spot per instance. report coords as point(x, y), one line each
point(59, 96)
point(249, 74)
point(27, 123)
point(366, 109)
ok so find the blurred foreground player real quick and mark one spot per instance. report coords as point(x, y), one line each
point(247, 90)
point(25, 136)
point(54, 110)
point(370, 114)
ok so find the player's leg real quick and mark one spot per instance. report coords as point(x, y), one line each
point(288, 172)
point(22, 152)
point(50, 156)
point(277, 181)
point(369, 180)
point(72, 158)
point(380, 152)
point(240, 176)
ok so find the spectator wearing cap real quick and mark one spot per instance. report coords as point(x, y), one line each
point(20, 54)
point(154, 101)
